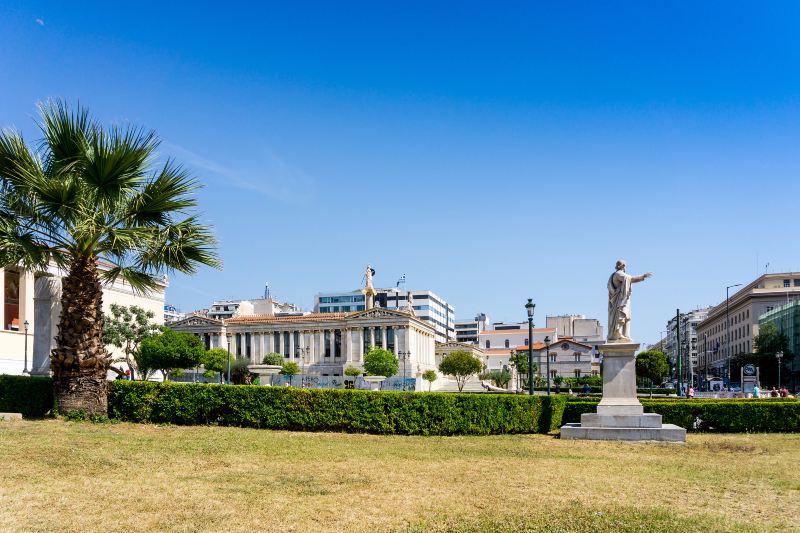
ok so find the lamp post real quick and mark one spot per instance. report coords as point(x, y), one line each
point(547, 353)
point(25, 370)
point(728, 330)
point(779, 356)
point(529, 307)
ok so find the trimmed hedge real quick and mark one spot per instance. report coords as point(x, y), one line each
point(356, 411)
point(725, 415)
point(30, 395)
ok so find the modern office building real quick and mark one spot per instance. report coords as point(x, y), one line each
point(688, 349)
point(787, 319)
point(427, 305)
point(468, 330)
point(716, 343)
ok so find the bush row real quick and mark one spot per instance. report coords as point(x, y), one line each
point(357, 411)
point(729, 416)
point(30, 395)
point(599, 390)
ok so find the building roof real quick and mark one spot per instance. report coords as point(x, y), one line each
point(522, 330)
point(272, 319)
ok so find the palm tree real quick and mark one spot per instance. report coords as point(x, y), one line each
point(93, 202)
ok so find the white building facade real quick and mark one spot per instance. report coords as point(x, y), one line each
point(35, 298)
point(322, 344)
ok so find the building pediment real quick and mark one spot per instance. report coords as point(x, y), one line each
point(196, 321)
point(379, 312)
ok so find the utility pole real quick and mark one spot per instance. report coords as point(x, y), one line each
point(678, 344)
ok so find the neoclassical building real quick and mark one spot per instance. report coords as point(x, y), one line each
point(322, 343)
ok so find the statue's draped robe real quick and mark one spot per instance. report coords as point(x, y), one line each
point(619, 304)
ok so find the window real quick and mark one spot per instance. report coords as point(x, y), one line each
point(797, 283)
point(787, 283)
point(577, 373)
point(488, 344)
point(552, 358)
point(526, 342)
point(577, 357)
point(565, 346)
point(507, 344)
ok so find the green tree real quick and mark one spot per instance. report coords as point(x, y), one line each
point(519, 361)
point(769, 341)
point(351, 372)
point(430, 376)
point(290, 369)
point(460, 364)
point(127, 327)
point(652, 366)
point(240, 371)
point(272, 358)
point(500, 378)
point(380, 362)
point(215, 361)
point(91, 201)
point(172, 350)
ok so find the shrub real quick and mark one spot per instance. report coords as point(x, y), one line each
point(730, 416)
point(356, 411)
point(430, 376)
point(30, 395)
point(380, 362)
point(460, 364)
point(273, 358)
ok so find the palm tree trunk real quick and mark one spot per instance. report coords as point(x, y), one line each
point(80, 360)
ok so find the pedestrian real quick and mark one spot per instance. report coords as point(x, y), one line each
point(586, 388)
point(691, 392)
point(784, 392)
point(773, 393)
point(756, 392)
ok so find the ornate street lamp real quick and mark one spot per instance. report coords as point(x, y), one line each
point(529, 307)
point(547, 352)
point(25, 370)
point(404, 357)
point(779, 356)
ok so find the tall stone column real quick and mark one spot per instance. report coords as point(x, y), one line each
point(347, 345)
point(47, 311)
point(292, 347)
point(320, 345)
point(26, 299)
point(383, 337)
point(358, 354)
point(372, 336)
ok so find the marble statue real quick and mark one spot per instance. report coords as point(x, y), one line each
point(369, 290)
point(619, 303)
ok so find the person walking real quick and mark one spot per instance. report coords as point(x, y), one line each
point(756, 392)
point(691, 392)
point(586, 388)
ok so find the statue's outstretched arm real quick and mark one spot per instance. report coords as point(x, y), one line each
point(637, 279)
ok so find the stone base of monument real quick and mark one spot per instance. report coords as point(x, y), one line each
point(619, 414)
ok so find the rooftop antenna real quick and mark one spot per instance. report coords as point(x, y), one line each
point(401, 281)
point(766, 268)
point(266, 290)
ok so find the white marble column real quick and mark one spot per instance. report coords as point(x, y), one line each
point(292, 347)
point(347, 345)
point(26, 299)
point(358, 354)
point(383, 337)
point(320, 345)
point(371, 337)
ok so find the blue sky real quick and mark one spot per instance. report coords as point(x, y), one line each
point(491, 152)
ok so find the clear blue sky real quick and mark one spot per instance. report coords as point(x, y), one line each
point(490, 152)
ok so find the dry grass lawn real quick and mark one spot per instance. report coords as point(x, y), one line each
point(68, 476)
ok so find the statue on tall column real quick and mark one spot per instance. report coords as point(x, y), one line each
point(619, 303)
point(369, 290)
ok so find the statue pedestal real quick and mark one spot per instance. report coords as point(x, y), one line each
point(619, 414)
